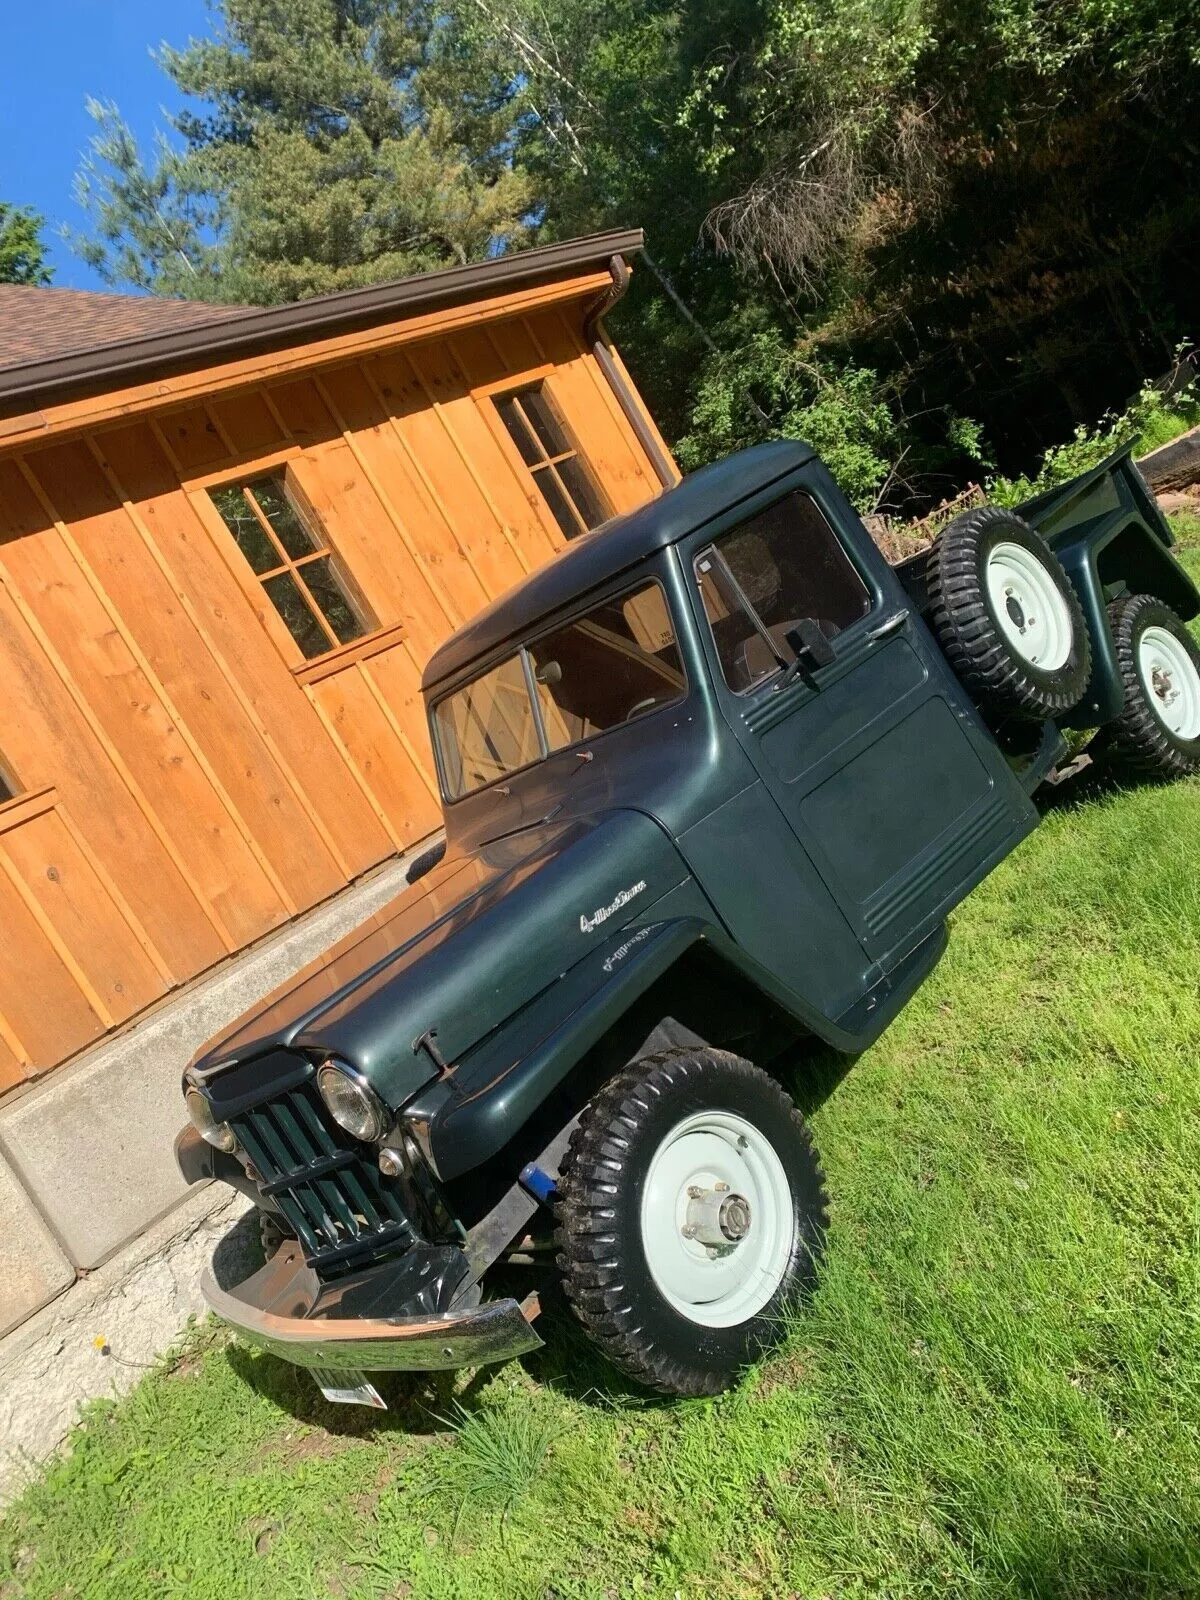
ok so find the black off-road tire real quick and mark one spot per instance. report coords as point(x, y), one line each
point(1139, 740)
point(602, 1258)
point(999, 679)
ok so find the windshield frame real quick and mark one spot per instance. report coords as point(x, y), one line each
point(551, 625)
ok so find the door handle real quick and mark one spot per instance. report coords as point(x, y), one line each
point(886, 629)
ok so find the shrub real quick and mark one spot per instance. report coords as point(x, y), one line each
point(1153, 419)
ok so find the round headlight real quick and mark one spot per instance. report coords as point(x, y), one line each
point(352, 1102)
point(206, 1125)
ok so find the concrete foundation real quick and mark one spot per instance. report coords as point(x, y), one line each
point(135, 1305)
point(86, 1160)
point(33, 1269)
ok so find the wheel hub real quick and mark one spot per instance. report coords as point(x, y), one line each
point(1016, 611)
point(716, 1218)
point(1162, 684)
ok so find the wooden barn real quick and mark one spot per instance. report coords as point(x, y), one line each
point(229, 540)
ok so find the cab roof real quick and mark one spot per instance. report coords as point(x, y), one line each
point(594, 558)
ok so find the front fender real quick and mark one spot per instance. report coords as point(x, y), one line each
point(467, 1116)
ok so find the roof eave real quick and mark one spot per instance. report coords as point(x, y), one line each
point(107, 366)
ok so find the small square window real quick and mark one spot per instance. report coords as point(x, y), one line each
point(289, 554)
point(565, 479)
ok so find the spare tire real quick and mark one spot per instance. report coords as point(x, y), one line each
point(1007, 617)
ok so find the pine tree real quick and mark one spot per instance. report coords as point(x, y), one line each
point(318, 160)
point(22, 252)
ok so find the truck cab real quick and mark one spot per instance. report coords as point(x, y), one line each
point(830, 805)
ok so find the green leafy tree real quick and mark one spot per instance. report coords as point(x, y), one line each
point(763, 386)
point(22, 253)
point(319, 160)
point(899, 226)
point(989, 201)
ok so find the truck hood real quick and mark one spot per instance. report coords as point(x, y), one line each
point(462, 950)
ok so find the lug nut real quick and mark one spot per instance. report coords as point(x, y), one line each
point(694, 1191)
point(688, 1230)
point(721, 1188)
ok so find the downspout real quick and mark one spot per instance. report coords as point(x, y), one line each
point(617, 382)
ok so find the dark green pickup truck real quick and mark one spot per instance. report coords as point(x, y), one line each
point(713, 780)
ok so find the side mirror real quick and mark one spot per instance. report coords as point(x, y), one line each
point(812, 649)
point(549, 672)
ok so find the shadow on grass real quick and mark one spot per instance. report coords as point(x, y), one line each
point(417, 1402)
point(812, 1072)
point(1135, 1568)
point(1100, 781)
point(1105, 779)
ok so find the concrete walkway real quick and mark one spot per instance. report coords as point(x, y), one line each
point(105, 1332)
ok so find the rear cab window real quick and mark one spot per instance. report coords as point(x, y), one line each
point(758, 581)
point(617, 662)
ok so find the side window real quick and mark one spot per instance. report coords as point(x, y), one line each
point(487, 729)
point(286, 546)
point(615, 663)
point(559, 470)
point(758, 581)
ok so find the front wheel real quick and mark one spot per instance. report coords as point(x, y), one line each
point(1158, 732)
point(692, 1214)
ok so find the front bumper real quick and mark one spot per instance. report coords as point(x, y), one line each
point(270, 1309)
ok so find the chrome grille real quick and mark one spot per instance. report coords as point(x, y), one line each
point(339, 1203)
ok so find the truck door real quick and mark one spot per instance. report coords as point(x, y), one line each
point(852, 717)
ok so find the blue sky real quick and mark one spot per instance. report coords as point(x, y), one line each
point(57, 52)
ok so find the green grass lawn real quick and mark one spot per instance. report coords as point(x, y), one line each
point(995, 1393)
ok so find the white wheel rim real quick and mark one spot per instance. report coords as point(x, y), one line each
point(1171, 682)
point(721, 1285)
point(1029, 606)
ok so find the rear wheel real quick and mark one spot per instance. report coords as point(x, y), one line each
point(692, 1213)
point(1007, 617)
point(1158, 732)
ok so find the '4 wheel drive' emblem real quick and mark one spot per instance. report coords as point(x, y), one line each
point(602, 913)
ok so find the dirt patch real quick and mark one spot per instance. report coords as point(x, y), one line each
point(188, 1366)
point(264, 1532)
point(786, 1372)
point(1180, 501)
point(309, 1444)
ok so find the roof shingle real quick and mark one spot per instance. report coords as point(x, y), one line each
point(39, 324)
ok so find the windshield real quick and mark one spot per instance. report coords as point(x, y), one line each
point(615, 663)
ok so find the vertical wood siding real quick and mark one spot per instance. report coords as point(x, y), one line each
point(188, 780)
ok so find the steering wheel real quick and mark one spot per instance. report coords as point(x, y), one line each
point(642, 705)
